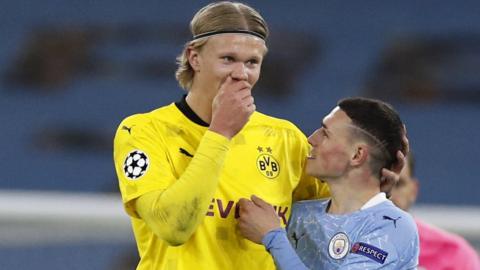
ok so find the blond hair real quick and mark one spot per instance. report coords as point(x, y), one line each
point(219, 16)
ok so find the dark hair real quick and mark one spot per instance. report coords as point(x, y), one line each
point(380, 125)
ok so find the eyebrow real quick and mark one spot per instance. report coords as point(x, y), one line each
point(235, 54)
point(324, 126)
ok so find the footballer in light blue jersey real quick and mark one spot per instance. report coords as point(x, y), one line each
point(357, 228)
point(378, 236)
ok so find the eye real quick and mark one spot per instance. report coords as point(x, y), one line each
point(252, 62)
point(324, 133)
point(228, 59)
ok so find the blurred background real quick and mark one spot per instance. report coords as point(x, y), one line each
point(71, 70)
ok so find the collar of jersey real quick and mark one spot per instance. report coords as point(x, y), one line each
point(182, 105)
point(377, 199)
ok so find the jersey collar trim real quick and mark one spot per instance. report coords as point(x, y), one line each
point(182, 105)
point(377, 199)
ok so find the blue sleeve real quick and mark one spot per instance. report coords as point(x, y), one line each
point(276, 242)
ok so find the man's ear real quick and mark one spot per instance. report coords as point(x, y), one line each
point(193, 60)
point(360, 154)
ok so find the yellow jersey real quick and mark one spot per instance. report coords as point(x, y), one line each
point(266, 158)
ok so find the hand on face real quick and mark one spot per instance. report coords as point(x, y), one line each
point(232, 107)
point(257, 218)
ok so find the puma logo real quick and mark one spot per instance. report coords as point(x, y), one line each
point(296, 238)
point(185, 152)
point(394, 220)
point(129, 129)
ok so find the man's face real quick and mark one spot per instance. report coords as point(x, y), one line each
point(237, 55)
point(331, 147)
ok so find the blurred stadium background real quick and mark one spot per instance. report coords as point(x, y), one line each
point(71, 70)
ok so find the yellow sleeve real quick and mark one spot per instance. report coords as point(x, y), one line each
point(174, 213)
point(137, 138)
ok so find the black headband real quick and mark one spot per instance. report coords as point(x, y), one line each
point(207, 34)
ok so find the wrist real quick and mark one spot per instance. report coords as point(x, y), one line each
point(221, 131)
point(270, 236)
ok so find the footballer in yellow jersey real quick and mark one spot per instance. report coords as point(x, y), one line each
point(265, 158)
point(182, 168)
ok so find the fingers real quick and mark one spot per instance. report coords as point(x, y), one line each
point(259, 202)
point(228, 80)
point(241, 90)
point(405, 142)
point(247, 205)
point(389, 179)
point(232, 85)
point(401, 160)
point(389, 176)
point(232, 107)
point(244, 203)
point(399, 164)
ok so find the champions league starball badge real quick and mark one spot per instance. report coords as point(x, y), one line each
point(135, 165)
point(339, 246)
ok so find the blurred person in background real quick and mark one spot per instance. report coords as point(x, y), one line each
point(439, 249)
point(358, 228)
point(183, 167)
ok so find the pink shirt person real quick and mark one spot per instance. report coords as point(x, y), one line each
point(441, 250)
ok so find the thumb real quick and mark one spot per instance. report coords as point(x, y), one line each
point(226, 81)
point(259, 202)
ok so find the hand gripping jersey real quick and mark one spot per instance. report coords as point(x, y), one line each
point(152, 150)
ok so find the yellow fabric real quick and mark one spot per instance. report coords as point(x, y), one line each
point(174, 218)
point(266, 159)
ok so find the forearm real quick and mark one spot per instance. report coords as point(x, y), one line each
point(285, 257)
point(174, 214)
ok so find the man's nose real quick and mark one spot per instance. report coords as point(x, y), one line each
point(239, 72)
point(311, 139)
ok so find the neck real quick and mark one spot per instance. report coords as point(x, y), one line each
point(201, 104)
point(350, 194)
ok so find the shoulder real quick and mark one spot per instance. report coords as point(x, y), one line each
point(393, 220)
point(405, 220)
point(305, 207)
point(389, 231)
point(136, 123)
point(394, 226)
point(389, 224)
point(267, 121)
point(306, 210)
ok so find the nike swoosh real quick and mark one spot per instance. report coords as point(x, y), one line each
point(185, 152)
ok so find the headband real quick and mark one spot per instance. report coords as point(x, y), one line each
point(207, 34)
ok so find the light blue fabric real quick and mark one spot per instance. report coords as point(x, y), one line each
point(276, 242)
point(379, 237)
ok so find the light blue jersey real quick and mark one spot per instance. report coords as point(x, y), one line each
point(376, 237)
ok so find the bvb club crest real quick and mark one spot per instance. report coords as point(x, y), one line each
point(267, 164)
